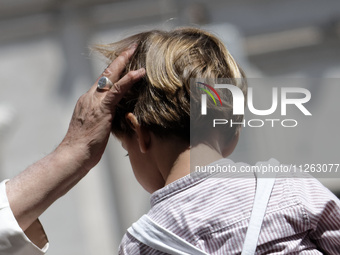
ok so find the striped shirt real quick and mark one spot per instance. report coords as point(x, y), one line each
point(302, 217)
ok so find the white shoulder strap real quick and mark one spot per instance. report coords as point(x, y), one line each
point(154, 235)
point(264, 188)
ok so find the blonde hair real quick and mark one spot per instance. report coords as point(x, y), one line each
point(161, 101)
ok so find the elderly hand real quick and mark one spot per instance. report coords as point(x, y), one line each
point(90, 126)
point(32, 191)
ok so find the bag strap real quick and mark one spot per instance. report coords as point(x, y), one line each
point(264, 188)
point(154, 235)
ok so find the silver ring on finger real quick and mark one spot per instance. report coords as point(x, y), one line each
point(104, 82)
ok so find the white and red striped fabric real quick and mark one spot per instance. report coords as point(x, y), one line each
point(302, 217)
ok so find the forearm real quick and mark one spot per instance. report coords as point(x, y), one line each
point(35, 189)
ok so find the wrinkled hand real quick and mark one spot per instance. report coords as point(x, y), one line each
point(32, 191)
point(90, 125)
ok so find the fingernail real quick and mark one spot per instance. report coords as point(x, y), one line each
point(141, 72)
point(133, 46)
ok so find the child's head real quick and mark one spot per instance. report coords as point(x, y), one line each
point(161, 101)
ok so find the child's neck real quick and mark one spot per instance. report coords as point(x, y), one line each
point(186, 161)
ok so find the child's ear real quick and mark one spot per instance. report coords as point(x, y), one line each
point(143, 135)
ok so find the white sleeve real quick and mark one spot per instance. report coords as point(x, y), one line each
point(13, 240)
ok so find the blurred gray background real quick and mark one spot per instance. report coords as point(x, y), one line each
point(45, 65)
